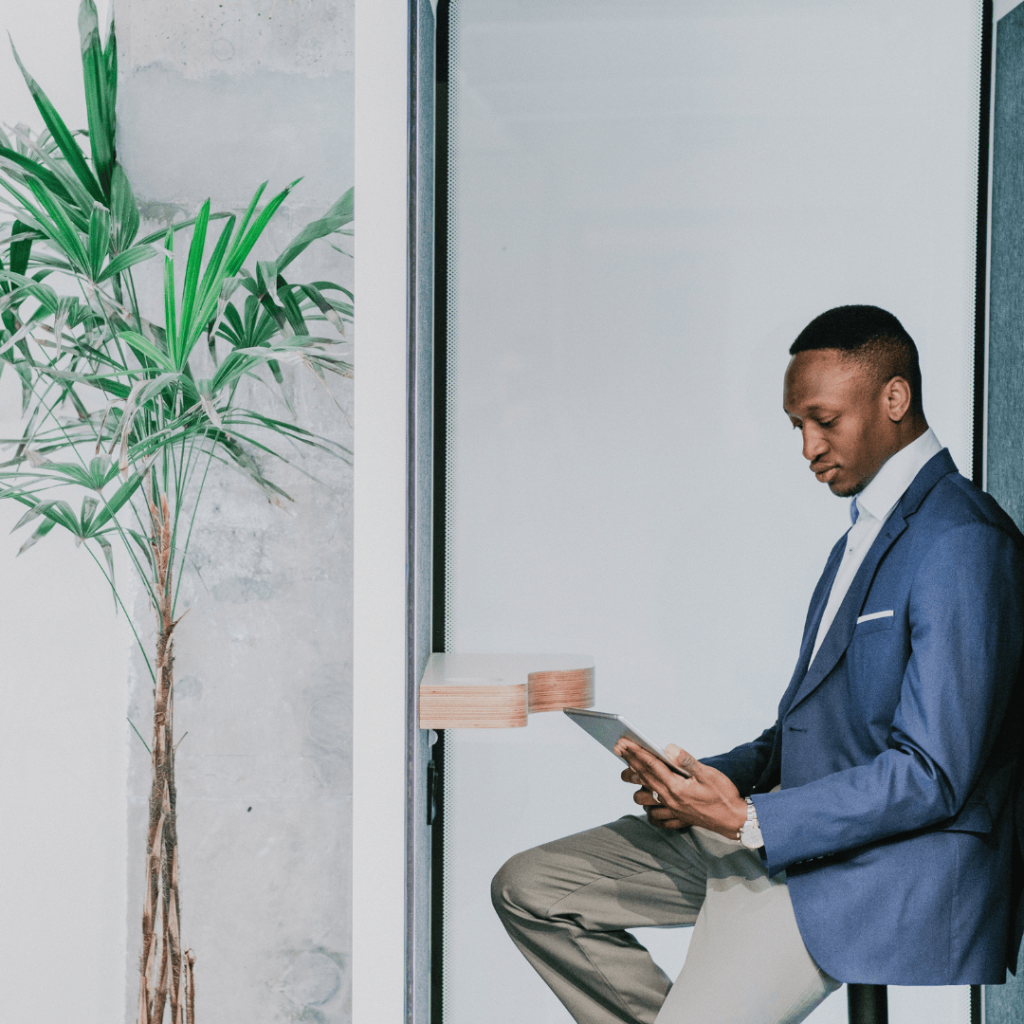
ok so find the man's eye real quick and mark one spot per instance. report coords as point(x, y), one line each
point(827, 423)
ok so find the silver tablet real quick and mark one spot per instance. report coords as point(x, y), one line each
point(609, 729)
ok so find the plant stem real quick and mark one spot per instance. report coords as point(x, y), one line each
point(161, 918)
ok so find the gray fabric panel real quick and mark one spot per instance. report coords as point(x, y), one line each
point(1006, 311)
point(1004, 1004)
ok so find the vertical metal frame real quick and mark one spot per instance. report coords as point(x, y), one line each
point(980, 393)
point(420, 777)
point(981, 267)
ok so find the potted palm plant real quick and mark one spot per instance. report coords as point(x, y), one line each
point(126, 414)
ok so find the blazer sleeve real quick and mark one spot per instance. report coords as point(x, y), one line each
point(745, 764)
point(965, 617)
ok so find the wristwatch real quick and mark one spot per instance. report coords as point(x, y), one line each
point(750, 834)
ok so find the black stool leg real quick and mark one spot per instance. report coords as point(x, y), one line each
point(868, 1004)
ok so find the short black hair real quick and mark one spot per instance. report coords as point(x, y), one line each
point(870, 334)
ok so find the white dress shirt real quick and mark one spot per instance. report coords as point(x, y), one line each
point(873, 507)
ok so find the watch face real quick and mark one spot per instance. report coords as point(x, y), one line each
point(751, 838)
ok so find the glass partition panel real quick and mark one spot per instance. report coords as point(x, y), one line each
point(647, 203)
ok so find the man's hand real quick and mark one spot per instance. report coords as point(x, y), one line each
point(707, 798)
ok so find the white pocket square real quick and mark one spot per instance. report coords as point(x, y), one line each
point(874, 615)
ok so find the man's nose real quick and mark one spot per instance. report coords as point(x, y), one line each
point(814, 444)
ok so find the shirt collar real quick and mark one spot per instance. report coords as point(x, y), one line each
point(890, 483)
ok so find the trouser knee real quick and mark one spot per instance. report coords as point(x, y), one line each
point(513, 888)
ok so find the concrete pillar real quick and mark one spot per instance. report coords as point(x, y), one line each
point(216, 97)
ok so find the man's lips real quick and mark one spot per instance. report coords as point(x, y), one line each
point(824, 473)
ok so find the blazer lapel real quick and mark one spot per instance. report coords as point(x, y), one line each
point(838, 637)
point(818, 601)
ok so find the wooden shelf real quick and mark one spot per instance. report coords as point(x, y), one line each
point(499, 691)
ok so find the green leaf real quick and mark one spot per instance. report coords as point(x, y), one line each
point(215, 285)
point(340, 214)
point(117, 502)
point(30, 166)
point(244, 244)
point(232, 369)
point(142, 393)
point(40, 532)
point(144, 347)
point(20, 250)
point(107, 384)
point(119, 264)
point(98, 101)
point(99, 239)
point(170, 300)
point(231, 327)
point(42, 293)
point(25, 375)
point(332, 310)
point(101, 471)
point(291, 307)
point(266, 280)
point(330, 286)
point(33, 513)
point(89, 506)
point(108, 555)
point(191, 284)
point(124, 211)
point(59, 227)
point(79, 198)
point(57, 511)
point(110, 62)
point(157, 236)
point(61, 135)
point(144, 544)
point(148, 390)
point(250, 210)
point(94, 477)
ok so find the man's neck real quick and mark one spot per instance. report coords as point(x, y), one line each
point(895, 475)
point(910, 431)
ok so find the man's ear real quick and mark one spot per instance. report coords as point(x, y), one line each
point(897, 398)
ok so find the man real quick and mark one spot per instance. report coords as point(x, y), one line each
point(868, 835)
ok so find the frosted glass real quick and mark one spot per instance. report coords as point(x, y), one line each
point(649, 202)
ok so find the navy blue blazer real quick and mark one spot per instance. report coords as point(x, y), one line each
point(898, 750)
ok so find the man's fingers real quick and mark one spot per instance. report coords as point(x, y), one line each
point(687, 763)
point(662, 817)
point(652, 771)
point(673, 823)
point(646, 798)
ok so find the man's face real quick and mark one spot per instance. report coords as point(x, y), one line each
point(843, 418)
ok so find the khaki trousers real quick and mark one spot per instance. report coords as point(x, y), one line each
point(567, 904)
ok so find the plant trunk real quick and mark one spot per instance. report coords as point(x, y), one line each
point(166, 973)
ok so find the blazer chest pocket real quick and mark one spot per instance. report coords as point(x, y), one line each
point(873, 623)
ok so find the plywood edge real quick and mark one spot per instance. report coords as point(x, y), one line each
point(462, 706)
point(569, 688)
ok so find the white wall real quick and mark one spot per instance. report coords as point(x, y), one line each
point(380, 609)
point(652, 201)
point(63, 735)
